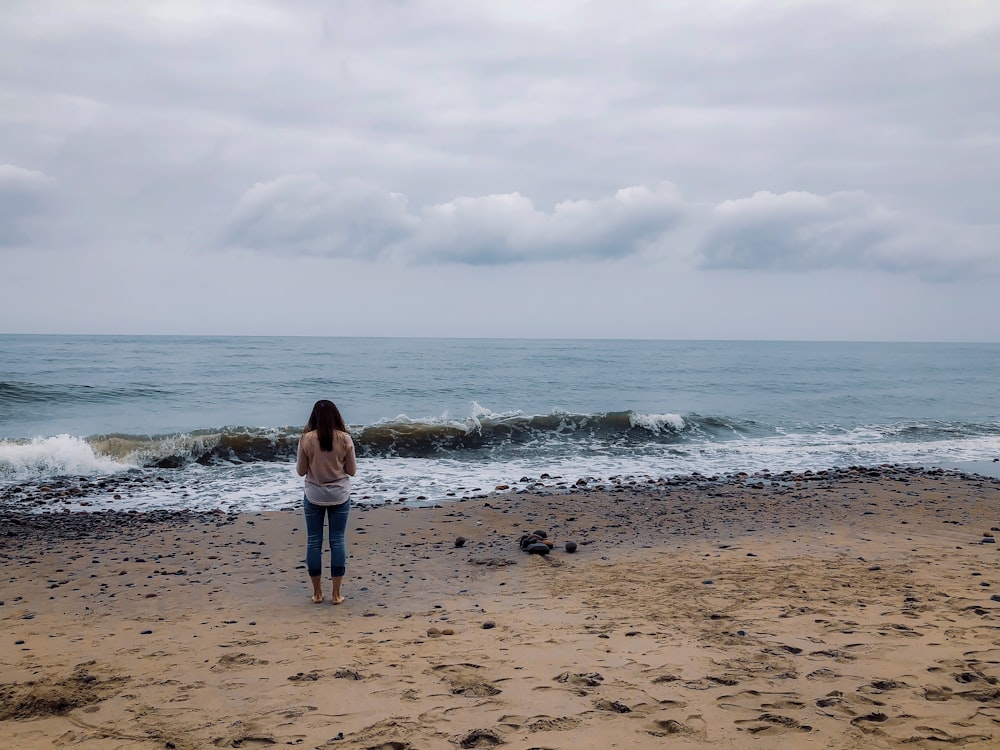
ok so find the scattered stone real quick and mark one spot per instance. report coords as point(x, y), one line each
point(489, 624)
point(460, 541)
point(571, 546)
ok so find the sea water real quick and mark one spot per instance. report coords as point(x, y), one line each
point(218, 418)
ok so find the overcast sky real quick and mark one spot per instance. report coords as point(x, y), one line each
point(734, 169)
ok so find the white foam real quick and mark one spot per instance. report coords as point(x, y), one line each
point(51, 457)
point(657, 423)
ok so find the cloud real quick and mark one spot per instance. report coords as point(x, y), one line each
point(802, 231)
point(304, 215)
point(21, 194)
point(500, 229)
point(796, 232)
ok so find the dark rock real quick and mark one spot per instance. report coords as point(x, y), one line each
point(571, 546)
point(460, 541)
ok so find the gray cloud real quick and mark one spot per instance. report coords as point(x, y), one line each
point(788, 232)
point(302, 214)
point(21, 194)
point(805, 232)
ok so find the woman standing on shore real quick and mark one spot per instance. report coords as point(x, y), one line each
point(326, 459)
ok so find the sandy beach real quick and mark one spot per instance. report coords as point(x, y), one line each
point(850, 609)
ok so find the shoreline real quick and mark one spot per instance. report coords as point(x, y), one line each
point(844, 609)
point(76, 494)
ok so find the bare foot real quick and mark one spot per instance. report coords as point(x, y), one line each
point(317, 598)
point(338, 599)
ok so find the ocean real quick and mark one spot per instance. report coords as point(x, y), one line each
point(213, 422)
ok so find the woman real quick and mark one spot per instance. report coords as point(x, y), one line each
point(326, 459)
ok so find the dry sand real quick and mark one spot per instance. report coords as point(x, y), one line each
point(854, 609)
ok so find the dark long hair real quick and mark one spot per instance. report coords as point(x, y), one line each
point(325, 418)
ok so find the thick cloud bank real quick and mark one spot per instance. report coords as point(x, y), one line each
point(302, 214)
point(800, 231)
point(790, 232)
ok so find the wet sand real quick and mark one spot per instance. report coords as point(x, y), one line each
point(850, 609)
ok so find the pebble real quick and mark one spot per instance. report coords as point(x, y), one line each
point(460, 541)
point(435, 632)
point(571, 546)
point(489, 624)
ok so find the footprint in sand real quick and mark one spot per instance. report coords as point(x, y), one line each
point(580, 679)
point(693, 726)
point(234, 661)
point(549, 724)
point(480, 738)
point(464, 680)
point(754, 700)
point(881, 686)
point(768, 723)
point(838, 704)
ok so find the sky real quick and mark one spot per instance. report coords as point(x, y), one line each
point(734, 169)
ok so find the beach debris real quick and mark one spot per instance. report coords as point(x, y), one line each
point(492, 562)
point(536, 543)
point(582, 679)
point(460, 541)
point(614, 706)
point(438, 632)
point(571, 546)
point(489, 625)
point(347, 674)
point(310, 676)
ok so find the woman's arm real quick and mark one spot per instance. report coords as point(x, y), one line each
point(302, 460)
point(350, 461)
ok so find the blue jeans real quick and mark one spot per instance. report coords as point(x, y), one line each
point(315, 514)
